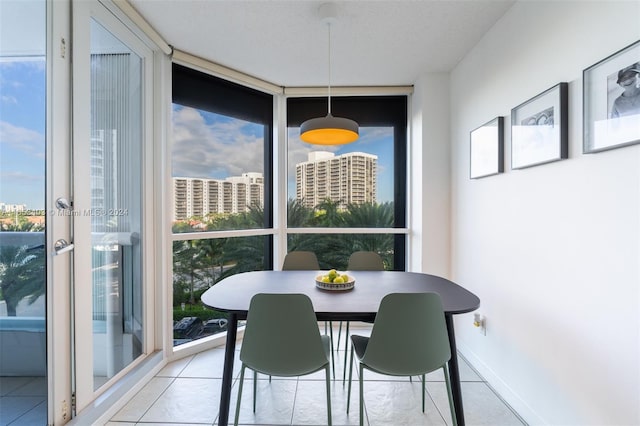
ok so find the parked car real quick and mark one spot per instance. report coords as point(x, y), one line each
point(214, 326)
point(188, 328)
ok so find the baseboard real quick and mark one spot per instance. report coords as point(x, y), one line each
point(501, 389)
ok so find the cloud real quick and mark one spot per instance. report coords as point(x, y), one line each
point(375, 134)
point(28, 141)
point(215, 149)
point(9, 100)
point(211, 146)
point(298, 151)
point(20, 177)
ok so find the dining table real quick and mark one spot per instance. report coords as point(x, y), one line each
point(360, 303)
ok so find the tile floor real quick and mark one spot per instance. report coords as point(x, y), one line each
point(187, 392)
point(23, 401)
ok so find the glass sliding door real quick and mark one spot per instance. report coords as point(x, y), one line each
point(23, 95)
point(111, 82)
point(115, 210)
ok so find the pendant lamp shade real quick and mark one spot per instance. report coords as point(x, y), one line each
point(329, 130)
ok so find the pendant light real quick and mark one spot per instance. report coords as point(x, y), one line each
point(329, 130)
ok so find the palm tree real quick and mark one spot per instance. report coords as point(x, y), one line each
point(329, 214)
point(245, 254)
point(188, 264)
point(22, 274)
point(373, 215)
point(213, 255)
point(370, 215)
point(298, 215)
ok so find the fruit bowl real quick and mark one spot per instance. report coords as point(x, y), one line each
point(333, 286)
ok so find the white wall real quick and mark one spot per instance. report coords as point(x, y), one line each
point(430, 171)
point(552, 251)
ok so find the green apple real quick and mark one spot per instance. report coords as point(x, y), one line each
point(326, 279)
point(345, 278)
point(338, 280)
point(333, 274)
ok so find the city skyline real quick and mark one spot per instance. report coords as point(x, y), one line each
point(347, 179)
point(205, 145)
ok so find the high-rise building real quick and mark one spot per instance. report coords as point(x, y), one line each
point(12, 208)
point(200, 197)
point(346, 179)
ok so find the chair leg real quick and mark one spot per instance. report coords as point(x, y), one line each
point(454, 419)
point(350, 375)
point(346, 341)
point(361, 394)
point(333, 357)
point(328, 381)
point(239, 395)
point(424, 385)
point(255, 389)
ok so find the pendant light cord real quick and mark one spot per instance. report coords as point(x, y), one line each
point(329, 62)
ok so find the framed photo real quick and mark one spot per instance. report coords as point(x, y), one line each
point(611, 96)
point(539, 130)
point(487, 149)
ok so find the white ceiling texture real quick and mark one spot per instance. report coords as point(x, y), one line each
point(373, 43)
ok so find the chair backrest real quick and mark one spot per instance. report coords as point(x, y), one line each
point(281, 337)
point(365, 261)
point(300, 261)
point(409, 335)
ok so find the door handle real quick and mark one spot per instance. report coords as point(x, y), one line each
point(63, 204)
point(62, 246)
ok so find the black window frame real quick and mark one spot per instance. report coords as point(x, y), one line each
point(199, 90)
point(377, 110)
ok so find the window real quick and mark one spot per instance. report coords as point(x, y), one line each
point(358, 185)
point(221, 173)
point(22, 186)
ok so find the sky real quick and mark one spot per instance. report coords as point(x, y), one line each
point(22, 133)
point(205, 145)
point(208, 145)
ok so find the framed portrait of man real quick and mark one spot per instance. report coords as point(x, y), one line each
point(611, 90)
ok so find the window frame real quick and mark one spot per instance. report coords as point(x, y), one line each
point(368, 110)
point(231, 98)
point(275, 168)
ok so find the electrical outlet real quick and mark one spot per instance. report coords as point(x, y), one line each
point(480, 322)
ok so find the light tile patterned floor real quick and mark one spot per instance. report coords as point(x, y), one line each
point(187, 392)
point(23, 401)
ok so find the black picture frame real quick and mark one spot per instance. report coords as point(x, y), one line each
point(539, 128)
point(487, 149)
point(611, 119)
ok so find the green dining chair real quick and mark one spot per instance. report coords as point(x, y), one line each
point(409, 338)
point(281, 338)
point(358, 261)
point(300, 260)
point(365, 261)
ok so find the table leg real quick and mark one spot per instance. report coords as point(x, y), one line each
point(454, 372)
point(227, 374)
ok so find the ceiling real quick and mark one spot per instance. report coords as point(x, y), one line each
point(285, 42)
